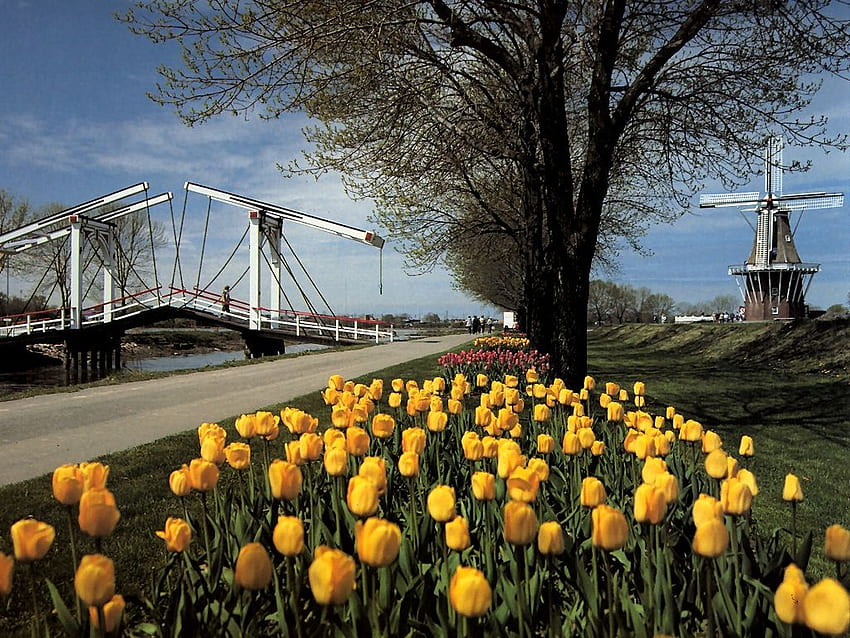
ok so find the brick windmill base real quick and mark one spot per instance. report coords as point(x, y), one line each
point(775, 293)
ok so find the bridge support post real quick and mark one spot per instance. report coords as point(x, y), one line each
point(255, 239)
point(76, 272)
point(263, 345)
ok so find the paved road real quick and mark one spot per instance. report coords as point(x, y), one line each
point(38, 434)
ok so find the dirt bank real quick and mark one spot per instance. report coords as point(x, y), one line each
point(819, 345)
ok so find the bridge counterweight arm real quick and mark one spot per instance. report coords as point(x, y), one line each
point(280, 212)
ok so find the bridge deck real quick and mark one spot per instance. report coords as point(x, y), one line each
point(148, 307)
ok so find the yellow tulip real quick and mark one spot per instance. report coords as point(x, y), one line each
point(789, 596)
point(746, 448)
point(523, 484)
point(212, 449)
point(520, 523)
point(377, 541)
point(413, 440)
point(94, 580)
point(180, 481)
point(592, 492)
point(310, 446)
point(735, 497)
point(408, 464)
point(732, 467)
point(670, 412)
point(652, 467)
point(177, 534)
point(203, 475)
point(612, 388)
point(246, 426)
point(623, 395)
point(837, 543)
point(113, 610)
point(508, 460)
point(357, 440)
point(293, 452)
point(211, 429)
point(285, 479)
point(31, 539)
point(792, 491)
point(457, 534)
point(288, 536)
point(331, 576)
point(374, 468)
point(748, 478)
point(469, 592)
point(650, 504)
point(267, 425)
point(397, 385)
point(826, 608)
point(238, 455)
point(639, 388)
point(589, 383)
point(542, 414)
point(253, 567)
point(68, 484)
point(332, 437)
point(7, 571)
point(336, 461)
point(454, 406)
point(565, 396)
point(605, 401)
point(609, 528)
point(540, 468)
point(362, 496)
point(669, 485)
point(94, 475)
point(571, 444)
point(711, 538)
point(598, 448)
point(615, 411)
point(298, 422)
point(550, 539)
point(706, 508)
point(690, 431)
point(483, 486)
point(441, 503)
point(711, 441)
point(507, 419)
point(715, 463)
point(98, 513)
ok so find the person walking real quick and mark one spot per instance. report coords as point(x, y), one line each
point(468, 324)
point(225, 299)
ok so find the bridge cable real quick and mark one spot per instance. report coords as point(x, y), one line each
point(204, 242)
point(227, 261)
point(241, 277)
point(277, 281)
point(292, 250)
point(133, 269)
point(310, 306)
point(153, 250)
point(178, 236)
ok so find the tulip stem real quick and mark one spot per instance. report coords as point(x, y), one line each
point(73, 537)
point(36, 612)
point(794, 530)
point(709, 595)
point(411, 520)
point(206, 532)
point(609, 584)
point(736, 566)
point(101, 621)
point(294, 589)
point(520, 589)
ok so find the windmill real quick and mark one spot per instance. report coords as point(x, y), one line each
point(773, 280)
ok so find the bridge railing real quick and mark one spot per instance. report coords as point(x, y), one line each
point(35, 321)
point(125, 306)
point(303, 324)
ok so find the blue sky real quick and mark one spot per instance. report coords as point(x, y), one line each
point(75, 123)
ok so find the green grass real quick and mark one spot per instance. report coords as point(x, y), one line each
point(799, 421)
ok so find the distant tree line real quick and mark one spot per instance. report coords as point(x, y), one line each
point(614, 303)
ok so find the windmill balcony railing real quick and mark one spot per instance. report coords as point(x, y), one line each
point(743, 269)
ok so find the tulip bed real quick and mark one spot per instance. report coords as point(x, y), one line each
point(473, 503)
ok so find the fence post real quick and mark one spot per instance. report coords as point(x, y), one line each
point(336, 330)
point(297, 325)
point(355, 328)
point(29, 324)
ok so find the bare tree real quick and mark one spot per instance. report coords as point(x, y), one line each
point(436, 108)
point(14, 213)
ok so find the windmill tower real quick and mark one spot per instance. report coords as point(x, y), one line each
point(773, 280)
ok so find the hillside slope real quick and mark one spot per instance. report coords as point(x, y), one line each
point(797, 346)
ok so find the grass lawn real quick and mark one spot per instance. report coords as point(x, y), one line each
point(800, 423)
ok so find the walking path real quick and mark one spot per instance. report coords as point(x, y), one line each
point(38, 434)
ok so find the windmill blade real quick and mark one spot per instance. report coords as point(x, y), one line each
point(728, 199)
point(810, 201)
point(773, 166)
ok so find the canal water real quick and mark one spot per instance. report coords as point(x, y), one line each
point(54, 376)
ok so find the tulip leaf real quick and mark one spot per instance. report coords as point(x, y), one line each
point(69, 623)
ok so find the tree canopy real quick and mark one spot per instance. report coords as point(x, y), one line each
point(553, 124)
